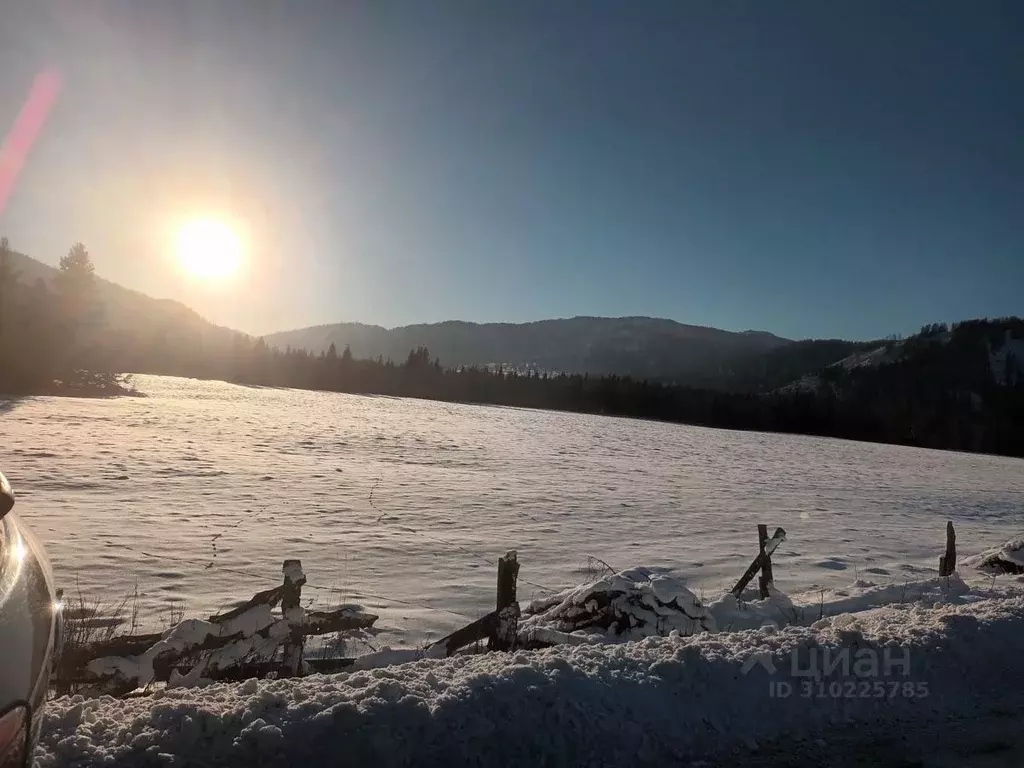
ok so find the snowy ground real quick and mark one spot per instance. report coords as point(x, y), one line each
point(941, 683)
point(196, 493)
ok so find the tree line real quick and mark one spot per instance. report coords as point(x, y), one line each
point(45, 330)
point(938, 392)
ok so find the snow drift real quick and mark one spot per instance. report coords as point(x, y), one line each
point(1006, 558)
point(657, 699)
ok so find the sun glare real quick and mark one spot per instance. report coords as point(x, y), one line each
point(209, 249)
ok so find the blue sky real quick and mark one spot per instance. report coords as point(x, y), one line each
point(814, 169)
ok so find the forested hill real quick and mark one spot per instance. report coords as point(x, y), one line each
point(642, 347)
point(124, 328)
point(959, 387)
point(125, 309)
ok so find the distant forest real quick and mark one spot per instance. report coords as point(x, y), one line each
point(938, 392)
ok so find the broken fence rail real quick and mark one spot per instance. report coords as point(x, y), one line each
point(217, 648)
point(251, 641)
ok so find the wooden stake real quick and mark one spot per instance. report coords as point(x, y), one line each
point(291, 609)
point(766, 569)
point(947, 562)
point(507, 606)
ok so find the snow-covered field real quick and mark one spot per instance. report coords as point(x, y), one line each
point(197, 492)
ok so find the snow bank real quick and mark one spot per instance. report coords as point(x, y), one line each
point(779, 610)
point(387, 656)
point(654, 700)
point(863, 595)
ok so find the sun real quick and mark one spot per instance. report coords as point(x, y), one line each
point(209, 249)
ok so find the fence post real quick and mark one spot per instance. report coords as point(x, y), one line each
point(766, 570)
point(947, 562)
point(504, 637)
point(291, 610)
point(763, 556)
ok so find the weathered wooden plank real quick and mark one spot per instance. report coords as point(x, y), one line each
point(72, 666)
point(72, 661)
point(471, 633)
point(269, 597)
point(323, 622)
point(506, 626)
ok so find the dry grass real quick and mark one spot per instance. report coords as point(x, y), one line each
point(174, 614)
point(88, 622)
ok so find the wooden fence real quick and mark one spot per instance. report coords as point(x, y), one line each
point(252, 641)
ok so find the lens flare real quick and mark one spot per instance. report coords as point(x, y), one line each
point(25, 130)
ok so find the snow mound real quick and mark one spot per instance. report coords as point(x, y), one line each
point(732, 613)
point(1006, 558)
point(624, 606)
point(660, 700)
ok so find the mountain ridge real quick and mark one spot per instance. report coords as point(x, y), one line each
point(477, 323)
point(659, 349)
point(639, 346)
point(959, 386)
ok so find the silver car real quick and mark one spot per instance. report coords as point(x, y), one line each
point(30, 624)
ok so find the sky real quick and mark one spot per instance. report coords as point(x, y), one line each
point(813, 169)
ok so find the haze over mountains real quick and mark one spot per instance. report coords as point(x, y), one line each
point(136, 327)
point(643, 347)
